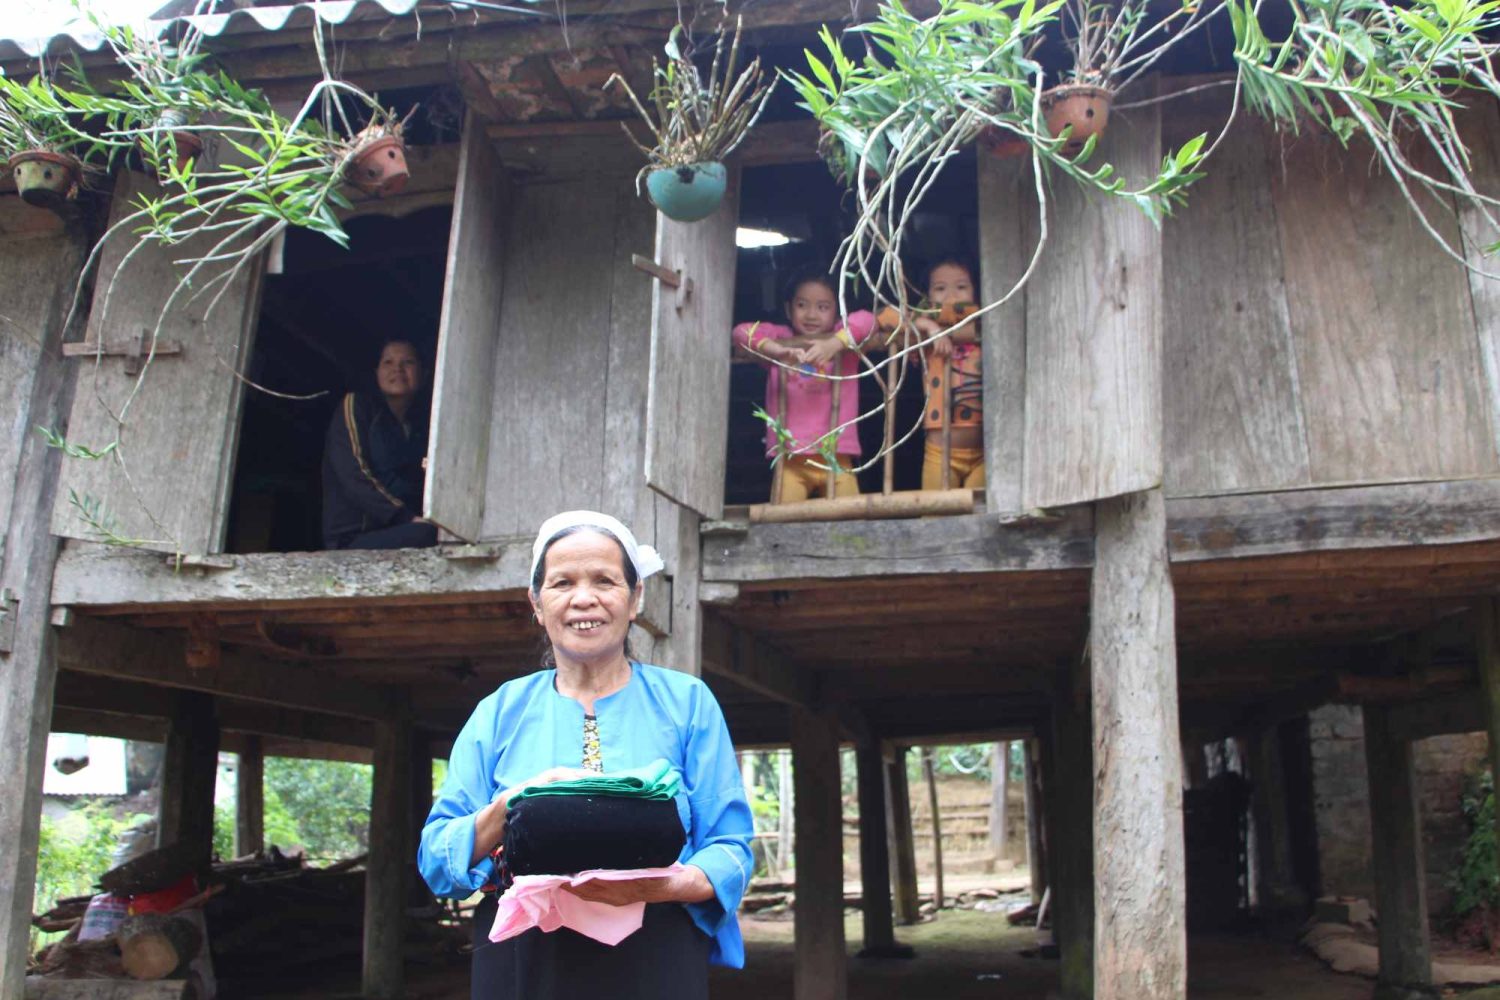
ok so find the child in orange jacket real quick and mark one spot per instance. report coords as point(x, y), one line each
point(952, 379)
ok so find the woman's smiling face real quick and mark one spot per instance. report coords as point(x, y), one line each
point(584, 601)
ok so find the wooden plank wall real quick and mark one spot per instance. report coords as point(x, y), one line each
point(1312, 333)
point(568, 422)
point(687, 414)
point(1006, 204)
point(182, 427)
point(462, 388)
point(1093, 336)
point(1234, 419)
point(1382, 322)
point(1482, 130)
point(1316, 335)
point(38, 263)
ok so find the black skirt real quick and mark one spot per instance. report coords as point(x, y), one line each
point(667, 959)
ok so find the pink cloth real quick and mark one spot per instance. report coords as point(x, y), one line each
point(809, 400)
point(541, 901)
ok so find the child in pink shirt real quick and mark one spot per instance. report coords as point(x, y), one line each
point(817, 341)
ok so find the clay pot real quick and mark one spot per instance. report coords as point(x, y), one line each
point(188, 146)
point(1083, 106)
point(45, 178)
point(687, 193)
point(379, 167)
point(173, 123)
point(1003, 143)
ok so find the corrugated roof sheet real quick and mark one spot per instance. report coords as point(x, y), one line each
point(250, 19)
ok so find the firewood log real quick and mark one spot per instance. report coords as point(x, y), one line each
point(154, 945)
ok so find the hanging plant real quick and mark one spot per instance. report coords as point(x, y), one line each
point(376, 163)
point(1391, 75)
point(696, 124)
point(163, 98)
point(41, 143)
point(1113, 43)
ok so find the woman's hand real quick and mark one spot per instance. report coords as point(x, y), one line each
point(489, 822)
point(689, 885)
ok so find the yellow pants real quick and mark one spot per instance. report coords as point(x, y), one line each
point(800, 479)
point(965, 467)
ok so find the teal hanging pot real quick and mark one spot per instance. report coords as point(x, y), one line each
point(688, 193)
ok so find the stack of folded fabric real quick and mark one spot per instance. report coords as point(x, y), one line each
point(622, 820)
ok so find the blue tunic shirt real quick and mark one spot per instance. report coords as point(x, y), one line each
point(526, 727)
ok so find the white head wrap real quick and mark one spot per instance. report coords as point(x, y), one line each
point(643, 557)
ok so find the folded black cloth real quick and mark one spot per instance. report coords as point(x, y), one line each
point(567, 834)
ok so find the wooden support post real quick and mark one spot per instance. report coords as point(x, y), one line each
point(787, 802)
point(421, 804)
point(904, 855)
point(250, 798)
point(874, 857)
point(189, 772)
point(1140, 882)
point(1396, 858)
point(1487, 646)
point(385, 871)
point(1068, 776)
point(1277, 882)
point(999, 790)
point(929, 776)
point(819, 967)
point(1036, 849)
point(36, 284)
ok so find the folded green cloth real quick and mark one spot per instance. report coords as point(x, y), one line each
point(657, 780)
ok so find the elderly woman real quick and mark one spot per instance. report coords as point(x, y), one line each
point(594, 709)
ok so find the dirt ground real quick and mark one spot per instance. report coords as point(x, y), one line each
point(971, 954)
point(963, 954)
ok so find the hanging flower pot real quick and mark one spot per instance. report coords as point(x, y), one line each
point(687, 193)
point(378, 165)
point(182, 141)
point(1083, 106)
point(44, 178)
point(188, 147)
point(1003, 142)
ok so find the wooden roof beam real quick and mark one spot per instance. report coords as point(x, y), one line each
point(97, 647)
point(98, 576)
point(1199, 530)
point(754, 664)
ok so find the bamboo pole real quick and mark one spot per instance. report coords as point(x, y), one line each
point(946, 404)
point(930, 774)
point(778, 475)
point(833, 423)
point(866, 506)
point(888, 433)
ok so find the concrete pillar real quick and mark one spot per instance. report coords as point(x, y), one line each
point(819, 964)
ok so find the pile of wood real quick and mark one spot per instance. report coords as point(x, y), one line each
point(266, 916)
